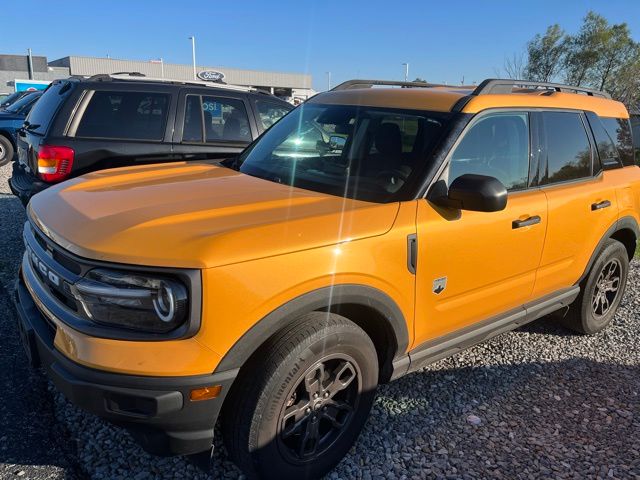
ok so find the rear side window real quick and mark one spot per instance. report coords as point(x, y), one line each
point(125, 115)
point(270, 112)
point(44, 110)
point(496, 145)
point(568, 151)
point(607, 151)
point(619, 129)
point(215, 119)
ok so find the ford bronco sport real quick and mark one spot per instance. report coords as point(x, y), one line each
point(368, 233)
point(105, 121)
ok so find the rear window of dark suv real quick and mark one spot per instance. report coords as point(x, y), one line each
point(44, 110)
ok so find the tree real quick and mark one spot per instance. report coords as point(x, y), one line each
point(545, 54)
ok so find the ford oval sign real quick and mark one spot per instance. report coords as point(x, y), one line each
point(211, 76)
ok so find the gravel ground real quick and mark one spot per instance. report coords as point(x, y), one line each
point(538, 402)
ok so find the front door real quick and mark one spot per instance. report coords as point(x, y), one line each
point(474, 265)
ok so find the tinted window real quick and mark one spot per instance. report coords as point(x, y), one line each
point(126, 115)
point(44, 110)
point(496, 145)
point(24, 104)
point(359, 152)
point(225, 119)
point(619, 129)
point(635, 133)
point(269, 112)
point(607, 151)
point(568, 151)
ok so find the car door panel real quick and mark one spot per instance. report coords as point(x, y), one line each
point(489, 266)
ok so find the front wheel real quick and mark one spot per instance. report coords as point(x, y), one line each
point(297, 412)
point(602, 290)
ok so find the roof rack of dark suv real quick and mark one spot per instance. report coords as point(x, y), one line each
point(351, 84)
point(502, 86)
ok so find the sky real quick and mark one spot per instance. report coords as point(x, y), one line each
point(443, 41)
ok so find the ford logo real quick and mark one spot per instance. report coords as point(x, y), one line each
point(211, 76)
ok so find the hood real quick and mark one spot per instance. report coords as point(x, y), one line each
point(196, 215)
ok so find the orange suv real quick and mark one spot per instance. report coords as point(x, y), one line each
point(373, 230)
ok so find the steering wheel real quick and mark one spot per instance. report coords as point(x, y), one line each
point(391, 174)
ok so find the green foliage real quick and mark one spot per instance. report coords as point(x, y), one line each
point(545, 54)
point(600, 55)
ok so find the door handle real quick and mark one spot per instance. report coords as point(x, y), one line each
point(600, 205)
point(527, 222)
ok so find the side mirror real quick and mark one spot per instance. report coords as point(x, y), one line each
point(478, 193)
point(336, 142)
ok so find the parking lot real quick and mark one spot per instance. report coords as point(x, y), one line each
point(539, 402)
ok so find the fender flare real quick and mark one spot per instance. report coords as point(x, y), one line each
point(320, 299)
point(623, 223)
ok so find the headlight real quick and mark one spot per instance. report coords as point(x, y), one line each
point(132, 300)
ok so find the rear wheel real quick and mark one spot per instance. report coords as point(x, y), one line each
point(297, 412)
point(6, 150)
point(602, 290)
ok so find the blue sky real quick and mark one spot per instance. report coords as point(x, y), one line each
point(442, 41)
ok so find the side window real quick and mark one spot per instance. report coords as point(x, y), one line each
point(497, 145)
point(607, 151)
point(568, 151)
point(635, 133)
point(125, 115)
point(619, 129)
point(269, 112)
point(225, 119)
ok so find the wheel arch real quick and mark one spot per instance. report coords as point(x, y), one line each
point(7, 134)
point(626, 231)
point(371, 309)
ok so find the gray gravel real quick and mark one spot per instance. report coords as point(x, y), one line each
point(539, 402)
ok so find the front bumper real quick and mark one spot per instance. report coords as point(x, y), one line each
point(23, 184)
point(157, 411)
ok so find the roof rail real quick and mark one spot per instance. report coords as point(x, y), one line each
point(351, 84)
point(131, 76)
point(502, 86)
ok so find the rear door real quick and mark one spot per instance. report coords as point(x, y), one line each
point(212, 125)
point(582, 203)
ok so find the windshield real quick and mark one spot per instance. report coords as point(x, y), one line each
point(23, 102)
point(9, 99)
point(358, 152)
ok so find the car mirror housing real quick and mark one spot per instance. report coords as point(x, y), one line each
point(479, 193)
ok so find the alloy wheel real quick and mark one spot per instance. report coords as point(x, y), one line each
point(606, 288)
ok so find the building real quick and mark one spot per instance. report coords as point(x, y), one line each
point(287, 85)
point(290, 86)
point(16, 67)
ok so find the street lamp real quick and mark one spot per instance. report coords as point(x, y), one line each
point(406, 71)
point(193, 53)
point(328, 80)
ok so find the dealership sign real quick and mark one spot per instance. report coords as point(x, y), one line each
point(211, 76)
point(30, 85)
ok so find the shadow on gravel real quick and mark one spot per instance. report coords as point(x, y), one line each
point(30, 435)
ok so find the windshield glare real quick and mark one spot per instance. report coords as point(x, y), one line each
point(359, 152)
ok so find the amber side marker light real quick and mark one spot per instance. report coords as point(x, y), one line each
point(205, 393)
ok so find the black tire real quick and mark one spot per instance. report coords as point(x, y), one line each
point(6, 150)
point(264, 441)
point(591, 313)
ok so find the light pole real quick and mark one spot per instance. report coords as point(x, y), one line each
point(328, 80)
point(193, 53)
point(406, 71)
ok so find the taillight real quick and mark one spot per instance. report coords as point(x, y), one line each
point(54, 163)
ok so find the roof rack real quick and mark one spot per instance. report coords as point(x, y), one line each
point(136, 76)
point(501, 86)
point(351, 84)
